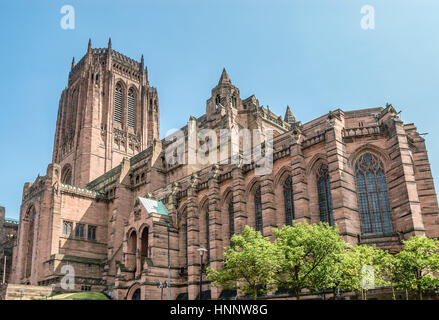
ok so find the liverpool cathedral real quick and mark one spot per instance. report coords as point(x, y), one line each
point(113, 208)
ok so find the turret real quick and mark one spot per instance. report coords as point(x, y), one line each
point(289, 118)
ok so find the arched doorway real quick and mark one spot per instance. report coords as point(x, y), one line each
point(134, 292)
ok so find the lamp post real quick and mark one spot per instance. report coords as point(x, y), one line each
point(201, 250)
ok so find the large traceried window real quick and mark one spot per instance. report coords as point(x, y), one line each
point(118, 103)
point(373, 199)
point(289, 202)
point(131, 108)
point(258, 209)
point(324, 195)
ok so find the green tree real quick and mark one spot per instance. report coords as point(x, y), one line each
point(389, 267)
point(416, 264)
point(308, 253)
point(250, 265)
point(361, 268)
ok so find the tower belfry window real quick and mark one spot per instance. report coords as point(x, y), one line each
point(131, 108)
point(118, 103)
point(217, 99)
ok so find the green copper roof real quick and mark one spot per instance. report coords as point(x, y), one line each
point(11, 220)
point(155, 206)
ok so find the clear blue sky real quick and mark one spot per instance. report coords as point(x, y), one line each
point(310, 54)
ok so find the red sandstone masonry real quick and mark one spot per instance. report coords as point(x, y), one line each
point(127, 264)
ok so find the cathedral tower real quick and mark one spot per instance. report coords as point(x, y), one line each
point(107, 112)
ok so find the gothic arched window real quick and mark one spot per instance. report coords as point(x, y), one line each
point(132, 249)
point(324, 195)
point(66, 175)
point(186, 256)
point(373, 199)
point(184, 238)
point(289, 201)
point(231, 219)
point(144, 248)
point(71, 114)
point(131, 108)
point(30, 241)
point(118, 103)
point(207, 233)
point(258, 209)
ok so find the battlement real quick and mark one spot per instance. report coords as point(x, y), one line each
point(119, 57)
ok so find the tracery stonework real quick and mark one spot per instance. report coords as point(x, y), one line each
point(363, 170)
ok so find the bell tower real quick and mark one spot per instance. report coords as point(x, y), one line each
point(107, 112)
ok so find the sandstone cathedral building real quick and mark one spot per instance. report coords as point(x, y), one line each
point(115, 210)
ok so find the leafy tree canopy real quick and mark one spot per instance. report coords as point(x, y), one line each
point(308, 253)
point(416, 264)
point(251, 265)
